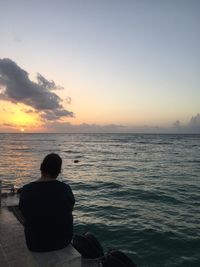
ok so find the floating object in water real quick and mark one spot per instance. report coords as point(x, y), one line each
point(76, 161)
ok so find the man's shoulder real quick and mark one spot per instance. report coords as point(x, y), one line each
point(63, 185)
point(27, 187)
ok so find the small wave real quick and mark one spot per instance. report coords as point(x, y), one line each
point(123, 140)
point(21, 149)
point(108, 152)
point(158, 196)
point(117, 170)
point(111, 185)
point(154, 143)
point(147, 196)
point(71, 151)
point(193, 161)
point(84, 165)
point(163, 143)
point(99, 185)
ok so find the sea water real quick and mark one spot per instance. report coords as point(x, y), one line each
point(139, 193)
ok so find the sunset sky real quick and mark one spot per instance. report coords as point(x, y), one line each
point(99, 65)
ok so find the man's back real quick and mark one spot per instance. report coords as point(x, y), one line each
point(47, 208)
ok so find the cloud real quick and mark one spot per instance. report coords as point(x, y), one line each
point(49, 85)
point(82, 128)
point(195, 121)
point(8, 125)
point(56, 114)
point(194, 124)
point(63, 127)
point(177, 124)
point(177, 127)
point(29, 111)
point(15, 86)
point(7, 128)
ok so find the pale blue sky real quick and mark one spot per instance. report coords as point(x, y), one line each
point(123, 62)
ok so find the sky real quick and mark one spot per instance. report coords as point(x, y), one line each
point(99, 66)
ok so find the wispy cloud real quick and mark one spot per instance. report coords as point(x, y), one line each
point(15, 86)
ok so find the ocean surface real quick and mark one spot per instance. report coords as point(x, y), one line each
point(139, 193)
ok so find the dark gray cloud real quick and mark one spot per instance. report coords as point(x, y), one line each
point(55, 114)
point(15, 86)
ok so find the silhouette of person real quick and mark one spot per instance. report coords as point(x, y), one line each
point(47, 206)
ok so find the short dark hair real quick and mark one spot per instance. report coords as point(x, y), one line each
point(51, 164)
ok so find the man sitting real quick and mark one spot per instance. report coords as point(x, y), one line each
point(47, 205)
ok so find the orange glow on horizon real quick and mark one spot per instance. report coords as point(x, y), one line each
point(16, 117)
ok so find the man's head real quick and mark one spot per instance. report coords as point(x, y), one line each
point(51, 165)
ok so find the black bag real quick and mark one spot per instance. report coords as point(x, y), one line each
point(116, 258)
point(88, 246)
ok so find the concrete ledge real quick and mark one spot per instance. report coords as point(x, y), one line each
point(14, 253)
point(67, 257)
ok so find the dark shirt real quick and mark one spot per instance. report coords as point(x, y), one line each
point(47, 210)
